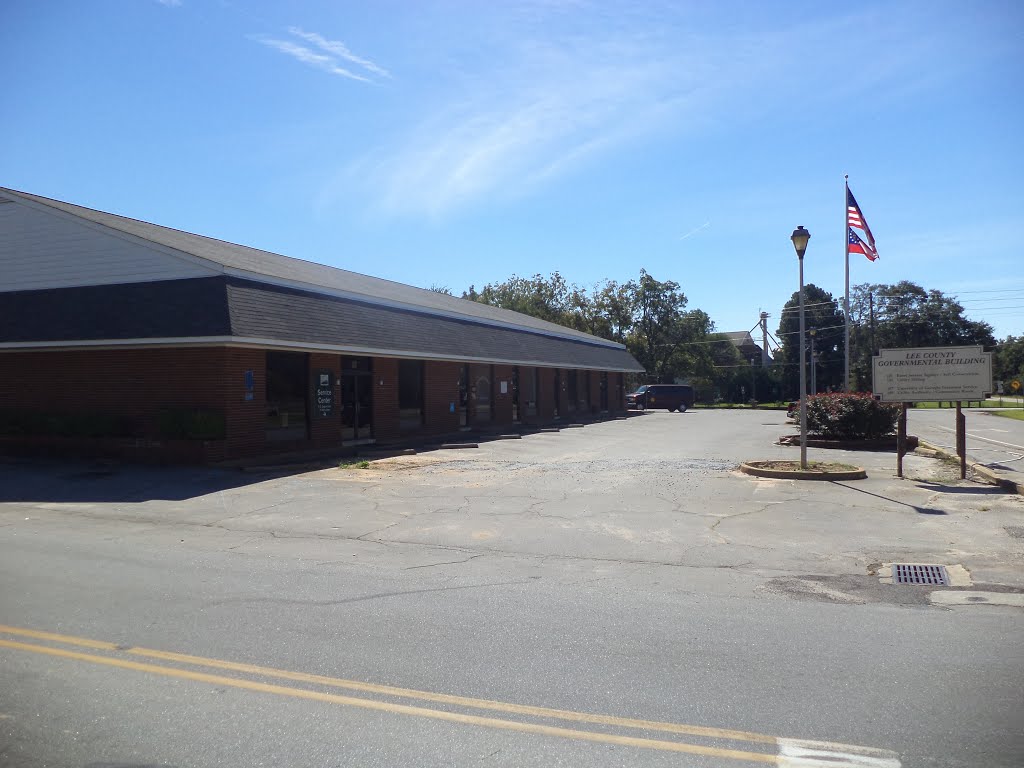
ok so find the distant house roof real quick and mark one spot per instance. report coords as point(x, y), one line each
point(246, 293)
point(744, 342)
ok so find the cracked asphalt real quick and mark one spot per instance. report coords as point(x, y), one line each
point(624, 568)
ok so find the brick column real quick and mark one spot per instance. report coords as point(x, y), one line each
point(617, 395)
point(545, 396)
point(595, 391)
point(244, 408)
point(440, 393)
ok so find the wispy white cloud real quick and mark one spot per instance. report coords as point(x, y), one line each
point(310, 57)
point(521, 109)
point(338, 49)
point(170, 3)
point(516, 129)
point(695, 230)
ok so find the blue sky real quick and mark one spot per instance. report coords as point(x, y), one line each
point(457, 143)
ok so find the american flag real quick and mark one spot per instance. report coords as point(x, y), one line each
point(855, 218)
point(856, 245)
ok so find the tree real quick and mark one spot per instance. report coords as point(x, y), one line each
point(659, 326)
point(614, 303)
point(546, 298)
point(647, 315)
point(906, 315)
point(824, 317)
point(1008, 361)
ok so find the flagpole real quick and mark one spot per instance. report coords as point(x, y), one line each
point(846, 302)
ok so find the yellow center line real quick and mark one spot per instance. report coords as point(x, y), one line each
point(36, 634)
point(400, 709)
point(387, 690)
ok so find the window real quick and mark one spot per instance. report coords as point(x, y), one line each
point(410, 394)
point(287, 398)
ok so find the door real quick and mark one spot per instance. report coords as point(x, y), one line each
point(464, 396)
point(480, 394)
point(515, 395)
point(356, 399)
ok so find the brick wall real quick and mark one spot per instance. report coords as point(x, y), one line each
point(134, 386)
point(440, 391)
point(386, 427)
point(245, 418)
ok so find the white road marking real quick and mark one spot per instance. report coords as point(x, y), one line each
point(974, 597)
point(798, 753)
point(983, 439)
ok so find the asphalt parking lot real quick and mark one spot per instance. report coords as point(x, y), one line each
point(662, 488)
point(625, 567)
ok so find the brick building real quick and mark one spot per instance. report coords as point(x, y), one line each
point(120, 337)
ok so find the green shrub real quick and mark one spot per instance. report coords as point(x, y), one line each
point(191, 424)
point(853, 416)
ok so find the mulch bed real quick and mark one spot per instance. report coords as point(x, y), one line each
point(877, 444)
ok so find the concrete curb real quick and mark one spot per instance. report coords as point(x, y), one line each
point(799, 474)
point(988, 474)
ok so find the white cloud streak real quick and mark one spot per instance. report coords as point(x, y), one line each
point(514, 129)
point(695, 230)
point(338, 49)
point(310, 57)
point(517, 115)
point(170, 3)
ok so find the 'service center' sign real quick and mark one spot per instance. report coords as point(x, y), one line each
point(932, 373)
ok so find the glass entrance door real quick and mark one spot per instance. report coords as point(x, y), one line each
point(356, 399)
point(356, 406)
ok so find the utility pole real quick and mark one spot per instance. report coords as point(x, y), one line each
point(871, 304)
point(764, 339)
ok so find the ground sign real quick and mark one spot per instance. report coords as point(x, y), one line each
point(932, 373)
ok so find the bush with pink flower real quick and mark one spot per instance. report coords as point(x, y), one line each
point(850, 416)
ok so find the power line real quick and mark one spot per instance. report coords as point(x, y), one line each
point(994, 290)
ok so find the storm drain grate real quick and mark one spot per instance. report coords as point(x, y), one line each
point(913, 573)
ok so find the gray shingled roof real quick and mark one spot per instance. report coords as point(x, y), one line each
point(272, 298)
point(254, 312)
point(276, 266)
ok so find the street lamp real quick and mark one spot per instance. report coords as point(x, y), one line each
point(800, 237)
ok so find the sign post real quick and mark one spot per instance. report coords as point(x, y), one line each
point(932, 374)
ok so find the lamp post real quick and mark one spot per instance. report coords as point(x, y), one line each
point(800, 237)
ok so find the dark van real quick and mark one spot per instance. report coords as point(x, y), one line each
point(673, 397)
